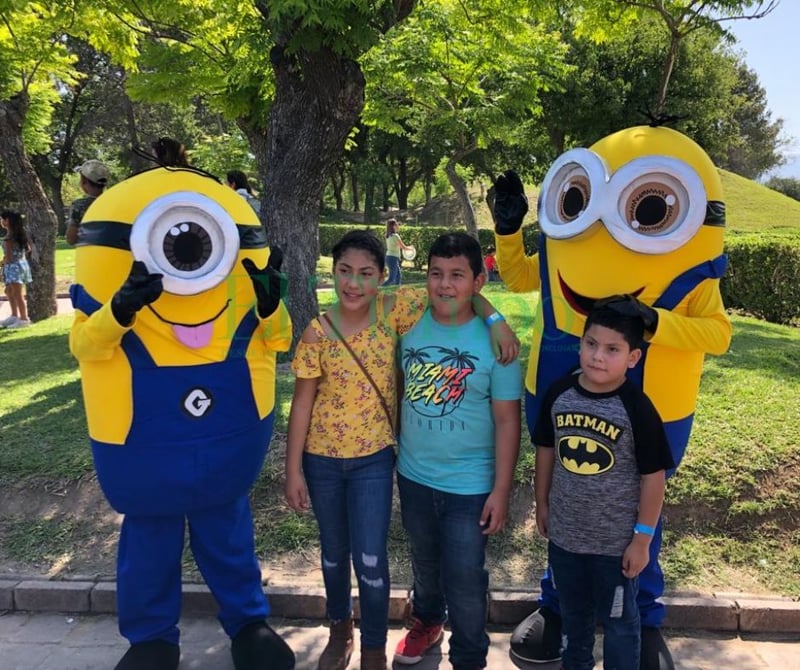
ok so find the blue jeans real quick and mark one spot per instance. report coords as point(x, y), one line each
point(393, 266)
point(448, 555)
point(592, 589)
point(352, 501)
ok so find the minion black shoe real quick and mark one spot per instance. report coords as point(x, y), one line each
point(258, 647)
point(153, 655)
point(655, 653)
point(537, 639)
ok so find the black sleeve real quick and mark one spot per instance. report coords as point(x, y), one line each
point(543, 431)
point(649, 438)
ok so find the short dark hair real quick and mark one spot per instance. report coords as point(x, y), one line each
point(450, 245)
point(630, 327)
point(363, 240)
point(238, 179)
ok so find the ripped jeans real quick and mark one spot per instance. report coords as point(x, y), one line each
point(593, 590)
point(352, 501)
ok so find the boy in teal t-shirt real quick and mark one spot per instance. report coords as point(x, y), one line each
point(458, 446)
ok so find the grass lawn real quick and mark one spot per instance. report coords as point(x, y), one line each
point(732, 512)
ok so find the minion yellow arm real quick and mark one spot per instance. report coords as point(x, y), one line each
point(277, 329)
point(699, 323)
point(96, 338)
point(519, 272)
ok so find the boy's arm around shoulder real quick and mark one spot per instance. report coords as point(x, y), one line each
point(507, 423)
point(505, 343)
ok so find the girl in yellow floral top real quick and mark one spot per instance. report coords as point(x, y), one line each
point(339, 455)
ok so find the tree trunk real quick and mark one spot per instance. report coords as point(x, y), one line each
point(460, 188)
point(403, 184)
point(40, 218)
point(338, 181)
point(355, 192)
point(318, 98)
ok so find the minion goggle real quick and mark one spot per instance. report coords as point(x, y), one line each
point(652, 204)
point(186, 236)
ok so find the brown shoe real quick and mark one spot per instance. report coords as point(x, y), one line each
point(373, 659)
point(336, 654)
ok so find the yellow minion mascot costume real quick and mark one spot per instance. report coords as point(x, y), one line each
point(641, 213)
point(178, 319)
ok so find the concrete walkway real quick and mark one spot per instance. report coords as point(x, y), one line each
point(47, 641)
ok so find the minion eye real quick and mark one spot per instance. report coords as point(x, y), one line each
point(187, 237)
point(187, 246)
point(661, 204)
point(574, 196)
point(567, 201)
point(653, 207)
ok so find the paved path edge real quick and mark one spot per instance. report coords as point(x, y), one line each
point(731, 612)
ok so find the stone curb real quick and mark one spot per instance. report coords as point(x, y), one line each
point(729, 612)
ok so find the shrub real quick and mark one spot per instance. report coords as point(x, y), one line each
point(789, 186)
point(763, 277)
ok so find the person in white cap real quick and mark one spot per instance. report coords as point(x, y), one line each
point(94, 177)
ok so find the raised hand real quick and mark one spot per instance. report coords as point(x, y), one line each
point(140, 289)
point(269, 283)
point(508, 203)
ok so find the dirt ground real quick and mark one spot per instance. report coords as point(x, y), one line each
point(67, 530)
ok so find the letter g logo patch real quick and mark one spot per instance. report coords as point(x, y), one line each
point(197, 402)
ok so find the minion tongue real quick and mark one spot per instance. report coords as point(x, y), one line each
point(194, 337)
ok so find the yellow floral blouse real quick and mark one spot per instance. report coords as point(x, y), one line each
point(348, 419)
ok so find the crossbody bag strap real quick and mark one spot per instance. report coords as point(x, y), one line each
point(384, 404)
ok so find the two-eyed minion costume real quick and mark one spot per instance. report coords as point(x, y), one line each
point(180, 403)
point(639, 212)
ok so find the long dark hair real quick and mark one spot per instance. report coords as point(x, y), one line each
point(16, 228)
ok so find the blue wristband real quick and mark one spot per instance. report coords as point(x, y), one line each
point(644, 530)
point(493, 318)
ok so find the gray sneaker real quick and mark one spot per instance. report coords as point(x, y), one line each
point(20, 323)
point(8, 321)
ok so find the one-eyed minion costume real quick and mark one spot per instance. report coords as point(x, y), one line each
point(179, 403)
point(640, 212)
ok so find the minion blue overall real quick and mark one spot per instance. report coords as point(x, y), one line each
point(178, 319)
point(640, 213)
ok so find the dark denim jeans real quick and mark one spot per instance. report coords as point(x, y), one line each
point(448, 554)
point(393, 267)
point(592, 589)
point(352, 501)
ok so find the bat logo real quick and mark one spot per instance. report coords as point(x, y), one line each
point(584, 456)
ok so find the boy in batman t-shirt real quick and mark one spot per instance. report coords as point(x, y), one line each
point(601, 456)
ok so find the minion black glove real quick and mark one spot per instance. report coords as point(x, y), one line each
point(508, 203)
point(140, 289)
point(629, 305)
point(269, 283)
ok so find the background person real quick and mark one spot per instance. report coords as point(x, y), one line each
point(238, 181)
point(16, 271)
point(94, 179)
point(394, 247)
